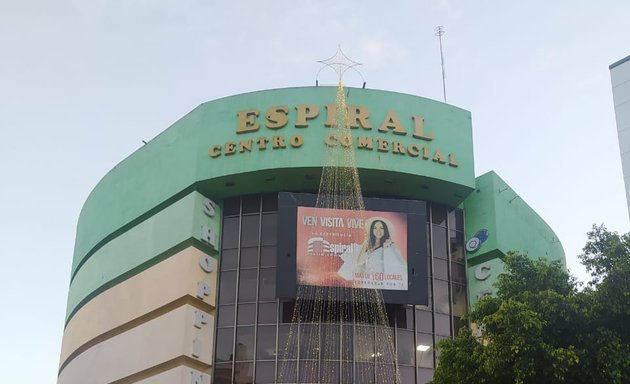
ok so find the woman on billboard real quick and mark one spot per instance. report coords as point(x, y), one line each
point(378, 263)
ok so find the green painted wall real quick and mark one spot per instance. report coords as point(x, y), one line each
point(177, 161)
point(136, 248)
point(512, 226)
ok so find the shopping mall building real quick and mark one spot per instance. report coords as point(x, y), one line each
point(184, 268)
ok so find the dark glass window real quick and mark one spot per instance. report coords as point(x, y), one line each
point(249, 257)
point(225, 341)
point(227, 288)
point(405, 347)
point(438, 215)
point(424, 375)
point(247, 285)
point(229, 259)
point(424, 350)
point(230, 233)
point(268, 256)
point(457, 246)
point(251, 204)
point(231, 207)
point(244, 344)
point(250, 226)
point(442, 325)
point(244, 373)
point(287, 372)
point(309, 372)
point(226, 316)
point(440, 269)
point(347, 373)
point(265, 372)
point(459, 300)
point(364, 373)
point(267, 313)
point(458, 271)
point(309, 341)
point(287, 347)
point(246, 314)
point(330, 333)
point(266, 345)
point(269, 234)
point(407, 375)
point(270, 202)
point(424, 321)
point(458, 323)
point(267, 284)
point(440, 246)
point(364, 343)
point(223, 373)
point(329, 371)
point(347, 343)
point(441, 296)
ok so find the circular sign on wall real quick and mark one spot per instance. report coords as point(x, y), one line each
point(474, 243)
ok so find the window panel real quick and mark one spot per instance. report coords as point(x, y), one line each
point(225, 342)
point(407, 375)
point(265, 372)
point(442, 325)
point(225, 315)
point(456, 240)
point(266, 344)
point(231, 207)
point(424, 375)
point(268, 256)
point(424, 350)
point(405, 347)
point(244, 344)
point(250, 226)
point(441, 296)
point(287, 347)
point(243, 373)
point(440, 269)
point(229, 231)
point(267, 313)
point(269, 229)
point(460, 305)
point(249, 257)
point(267, 284)
point(440, 249)
point(424, 321)
point(227, 287)
point(438, 215)
point(270, 202)
point(251, 204)
point(229, 259)
point(247, 285)
point(246, 314)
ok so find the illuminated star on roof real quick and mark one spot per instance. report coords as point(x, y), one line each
point(339, 63)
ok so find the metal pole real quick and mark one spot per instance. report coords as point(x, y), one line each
point(439, 31)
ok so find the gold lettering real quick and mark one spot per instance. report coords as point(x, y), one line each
point(331, 111)
point(452, 161)
point(425, 153)
point(382, 145)
point(278, 142)
point(215, 151)
point(392, 122)
point(359, 116)
point(438, 157)
point(346, 141)
point(364, 142)
point(330, 140)
point(277, 117)
point(397, 147)
point(296, 141)
point(418, 129)
point(262, 143)
point(230, 148)
point(305, 112)
point(413, 150)
point(247, 121)
point(245, 145)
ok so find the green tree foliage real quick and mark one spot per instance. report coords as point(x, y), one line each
point(540, 328)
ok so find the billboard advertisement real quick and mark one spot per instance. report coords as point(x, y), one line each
point(383, 247)
point(353, 249)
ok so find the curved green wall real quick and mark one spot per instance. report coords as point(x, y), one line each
point(177, 161)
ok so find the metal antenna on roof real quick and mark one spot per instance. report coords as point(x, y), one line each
point(439, 32)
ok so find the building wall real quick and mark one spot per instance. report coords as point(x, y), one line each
point(154, 232)
point(620, 77)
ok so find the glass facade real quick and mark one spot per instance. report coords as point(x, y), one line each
point(253, 326)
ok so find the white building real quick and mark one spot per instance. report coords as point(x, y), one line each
point(620, 77)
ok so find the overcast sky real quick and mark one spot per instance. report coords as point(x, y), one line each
point(82, 83)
